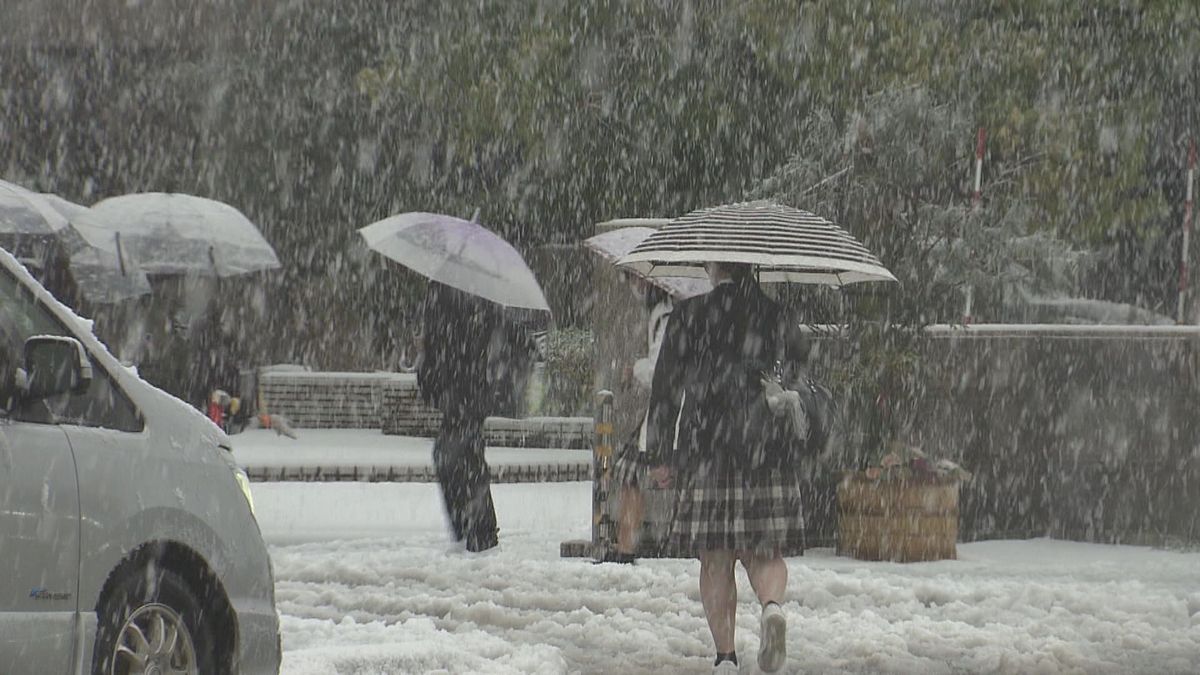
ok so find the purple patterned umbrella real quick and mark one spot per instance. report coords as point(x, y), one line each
point(458, 253)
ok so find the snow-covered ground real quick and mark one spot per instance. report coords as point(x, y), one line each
point(370, 447)
point(367, 582)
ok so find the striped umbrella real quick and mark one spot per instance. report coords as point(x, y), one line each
point(615, 244)
point(784, 243)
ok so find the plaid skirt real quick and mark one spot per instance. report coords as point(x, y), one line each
point(629, 466)
point(760, 512)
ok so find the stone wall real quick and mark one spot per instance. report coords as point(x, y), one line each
point(391, 402)
point(318, 400)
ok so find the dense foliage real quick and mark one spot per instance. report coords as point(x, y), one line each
point(316, 118)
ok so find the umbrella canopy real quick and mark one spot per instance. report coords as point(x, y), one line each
point(25, 213)
point(28, 225)
point(169, 233)
point(101, 268)
point(34, 223)
point(458, 253)
point(784, 243)
point(615, 244)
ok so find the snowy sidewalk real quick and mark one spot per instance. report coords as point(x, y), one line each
point(367, 582)
point(369, 455)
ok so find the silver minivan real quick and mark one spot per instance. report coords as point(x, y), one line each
point(128, 542)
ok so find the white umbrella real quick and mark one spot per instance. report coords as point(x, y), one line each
point(615, 244)
point(25, 213)
point(32, 222)
point(784, 243)
point(102, 270)
point(170, 233)
point(28, 225)
point(458, 253)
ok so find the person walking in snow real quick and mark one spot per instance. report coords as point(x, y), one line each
point(629, 467)
point(467, 346)
point(737, 497)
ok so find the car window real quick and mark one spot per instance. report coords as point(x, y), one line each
point(102, 405)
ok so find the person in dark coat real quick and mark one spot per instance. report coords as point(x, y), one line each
point(737, 495)
point(453, 376)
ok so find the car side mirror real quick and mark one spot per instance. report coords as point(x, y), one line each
point(54, 365)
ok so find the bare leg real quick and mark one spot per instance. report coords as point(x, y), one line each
point(768, 576)
point(718, 594)
point(629, 519)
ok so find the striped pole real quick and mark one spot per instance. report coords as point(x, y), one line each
point(603, 527)
point(1181, 318)
point(980, 143)
point(976, 202)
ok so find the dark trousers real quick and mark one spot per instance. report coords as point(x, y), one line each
point(466, 482)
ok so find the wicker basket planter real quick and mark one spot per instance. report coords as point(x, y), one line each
point(901, 520)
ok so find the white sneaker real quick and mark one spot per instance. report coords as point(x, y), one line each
point(772, 650)
point(725, 668)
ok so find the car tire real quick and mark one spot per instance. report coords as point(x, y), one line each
point(150, 617)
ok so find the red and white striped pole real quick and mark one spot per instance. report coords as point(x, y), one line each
point(976, 202)
point(980, 143)
point(1187, 234)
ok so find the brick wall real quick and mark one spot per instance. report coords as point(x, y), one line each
point(329, 400)
point(391, 402)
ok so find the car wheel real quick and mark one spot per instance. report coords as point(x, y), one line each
point(150, 623)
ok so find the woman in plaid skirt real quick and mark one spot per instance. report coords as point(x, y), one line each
point(738, 494)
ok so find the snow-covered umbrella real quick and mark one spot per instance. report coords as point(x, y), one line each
point(174, 234)
point(615, 244)
point(460, 254)
point(28, 225)
point(785, 244)
point(102, 270)
point(33, 223)
point(26, 213)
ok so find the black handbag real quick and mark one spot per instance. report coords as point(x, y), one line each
point(805, 426)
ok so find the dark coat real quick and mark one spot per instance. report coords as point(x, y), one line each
point(456, 330)
point(707, 383)
point(474, 362)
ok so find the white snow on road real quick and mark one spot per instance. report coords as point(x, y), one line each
point(370, 447)
point(367, 582)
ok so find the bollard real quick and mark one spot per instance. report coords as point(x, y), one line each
point(603, 527)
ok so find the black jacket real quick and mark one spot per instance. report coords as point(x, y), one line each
point(474, 362)
point(707, 383)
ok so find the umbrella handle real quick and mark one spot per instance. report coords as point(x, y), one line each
point(120, 253)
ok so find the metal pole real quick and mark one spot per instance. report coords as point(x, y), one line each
point(1180, 315)
point(603, 535)
point(976, 202)
point(980, 143)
